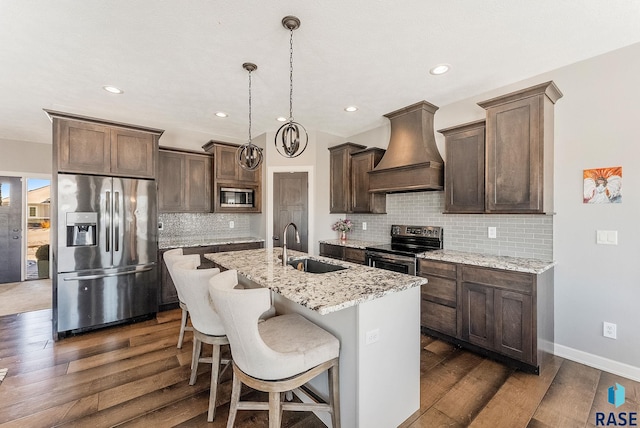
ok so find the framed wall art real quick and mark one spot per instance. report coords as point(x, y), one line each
point(602, 185)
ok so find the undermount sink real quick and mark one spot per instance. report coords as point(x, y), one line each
point(314, 266)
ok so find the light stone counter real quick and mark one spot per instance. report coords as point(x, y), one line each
point(517, 264)
point(323, 293)
point(201, 241)
point(353, 243)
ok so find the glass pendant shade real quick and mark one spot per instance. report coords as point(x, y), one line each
point(292, 138)
point(249, 155)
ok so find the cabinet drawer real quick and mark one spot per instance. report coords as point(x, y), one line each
point(354, 255)
point(334, 251)
point(438, 317)
point(426, 267)
point(440, 290)
point(516, 281)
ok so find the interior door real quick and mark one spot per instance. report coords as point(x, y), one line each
point(10, 229)
point(291, 205)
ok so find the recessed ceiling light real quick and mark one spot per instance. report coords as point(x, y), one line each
point(113, 89)
point(440, 69)
point(281, 119)
point(351, 108)
point(221, 114)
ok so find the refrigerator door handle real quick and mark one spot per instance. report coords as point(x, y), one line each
point(108, 222)
point(116, 221)
point(91, 277)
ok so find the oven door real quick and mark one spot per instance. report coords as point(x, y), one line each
point(402, 264)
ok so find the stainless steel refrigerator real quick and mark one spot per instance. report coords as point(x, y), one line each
point(106, 251)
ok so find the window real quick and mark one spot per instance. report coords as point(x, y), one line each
point(32, 211)
point(5, 193)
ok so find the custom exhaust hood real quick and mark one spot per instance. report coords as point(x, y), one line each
point(412, 161)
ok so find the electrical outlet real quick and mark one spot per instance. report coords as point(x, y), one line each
point(231, 224)
point(160, 226)
point(364, 225)
point(492, 232)
point(609, 330)
point(372, 336)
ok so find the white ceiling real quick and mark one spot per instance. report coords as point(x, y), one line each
point(181, 61)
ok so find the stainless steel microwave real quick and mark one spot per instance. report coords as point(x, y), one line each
point(241, 198)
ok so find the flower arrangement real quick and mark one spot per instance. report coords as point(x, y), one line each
point(342, 225)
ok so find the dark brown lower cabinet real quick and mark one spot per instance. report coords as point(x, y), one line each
point(477, 315)
point(168, 295)
point(340, 252)
point(504, 314)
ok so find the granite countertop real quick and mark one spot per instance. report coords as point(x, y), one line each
point(323, 293)
point(517, 264)
point(353, 243)
point(200, 241)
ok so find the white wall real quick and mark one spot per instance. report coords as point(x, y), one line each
point(25, 158)
point(595, 126)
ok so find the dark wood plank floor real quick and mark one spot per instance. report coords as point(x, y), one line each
point(134, 376)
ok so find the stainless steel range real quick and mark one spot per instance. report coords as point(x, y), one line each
point(406, 243)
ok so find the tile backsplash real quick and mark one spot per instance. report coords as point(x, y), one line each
point(521, 235)
point(182, 226)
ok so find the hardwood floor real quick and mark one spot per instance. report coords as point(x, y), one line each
point(134, 376)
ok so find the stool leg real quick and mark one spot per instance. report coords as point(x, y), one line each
point(334, 395)
point(213, 392)
point(235, 398)
point(194, 360)
point(275, 410)
point(183, 325)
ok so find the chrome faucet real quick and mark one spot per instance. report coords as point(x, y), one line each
point(284, 241)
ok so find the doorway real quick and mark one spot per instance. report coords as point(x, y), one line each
point(38, 228)
point(291, 205)
point(10, 229)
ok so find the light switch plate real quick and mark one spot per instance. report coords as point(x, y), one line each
point(607, 237)
point(492, 232)
point(364, 225)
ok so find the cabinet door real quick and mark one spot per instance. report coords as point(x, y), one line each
point(83, 147)
point(354, 255)
point(464, 174)
point(133, 153)
point(168, 296)
point(477, 315)
point(514, 325)
point(340, 167)
point(226, 163)
point(514, 157)
point(333, 251)
point(171, 182)
point(361, 200)
point(198, 184)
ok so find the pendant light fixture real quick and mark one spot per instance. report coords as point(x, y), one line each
point(291, 139)
point(249, 155)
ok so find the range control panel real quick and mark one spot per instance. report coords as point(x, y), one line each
point(424, 231)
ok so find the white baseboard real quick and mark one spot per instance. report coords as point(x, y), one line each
point(598, 362)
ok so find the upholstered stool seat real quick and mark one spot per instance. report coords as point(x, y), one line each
point(170, 257)
point(276, 355)
point(193, 284)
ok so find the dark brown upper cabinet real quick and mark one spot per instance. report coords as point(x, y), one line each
point(184, 182)
point(519, 150)
point(362, 201)
point(227, 173)
point(93, 146)
point(340, 176)
point(464, 172)
point(349, 179)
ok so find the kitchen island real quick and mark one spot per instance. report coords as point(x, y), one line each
point(373, 312)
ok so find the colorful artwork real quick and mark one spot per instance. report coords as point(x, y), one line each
point(602, 185)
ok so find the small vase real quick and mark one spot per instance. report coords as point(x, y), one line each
point(343, 236)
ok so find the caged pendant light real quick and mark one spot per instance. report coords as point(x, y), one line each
point(249, 155)
point(291, 139)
